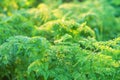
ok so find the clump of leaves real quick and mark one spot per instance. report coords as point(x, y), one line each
point(16, 5)
point(69, 62)
point(41, 14)
point(18, 53)
point(15, 25)
point(111, 48)
point(56, 29)
point(95, 13)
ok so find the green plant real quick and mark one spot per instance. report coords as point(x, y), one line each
point(59, 40)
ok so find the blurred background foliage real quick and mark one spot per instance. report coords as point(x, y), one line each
point(101, 15)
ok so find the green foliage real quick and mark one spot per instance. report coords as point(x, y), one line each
point(18, 53)
point(59, 40)
point(116, 2)
point(16, 5)
point(15, 25)
point(23, 22)
point(96, 15)
point(72, 62)
point(34, 58)
point(53, 30)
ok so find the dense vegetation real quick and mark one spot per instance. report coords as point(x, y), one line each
point(59, 40)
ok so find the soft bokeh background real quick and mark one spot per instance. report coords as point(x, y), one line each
point(103, 16)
